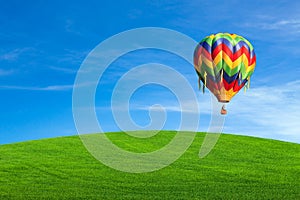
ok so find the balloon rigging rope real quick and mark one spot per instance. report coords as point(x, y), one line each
point(203, 89)
point(221, 75)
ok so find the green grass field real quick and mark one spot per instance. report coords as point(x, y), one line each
point(239, 167)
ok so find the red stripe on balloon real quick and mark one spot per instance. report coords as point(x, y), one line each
point(232, 56)
point(240, 52)
point(233, 85)
point(228, 86)
point(203, 52)
point(219, 48)
point(211, 85)
point(253, 60)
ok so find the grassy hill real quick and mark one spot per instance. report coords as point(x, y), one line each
point(239, 167)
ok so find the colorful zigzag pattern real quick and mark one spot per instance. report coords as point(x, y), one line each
point(224, 63)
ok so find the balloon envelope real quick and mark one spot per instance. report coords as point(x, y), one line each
point(224, 63)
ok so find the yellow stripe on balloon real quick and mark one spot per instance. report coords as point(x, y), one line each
point(207, 62)
point(233, 36)
point(222, 55)
point(238, 61)
point(223, 94)
point(212, 36)
point(218, 58)
point(245, 61)
point(250, 68)
point(199, 63)
point(227, 59)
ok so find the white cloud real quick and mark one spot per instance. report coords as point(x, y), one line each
point(72, 56)
point(14, 54)
point(286, 24)
point(269, 111)
point(62, 69)
point(188, 105)
point(47, 88)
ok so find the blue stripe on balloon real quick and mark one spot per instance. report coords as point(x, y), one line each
point(206, 46)
point(230, 79)
point(220, 41)
point(234, 49)
point(243, 82)
point(239, 45)
point(252, 54)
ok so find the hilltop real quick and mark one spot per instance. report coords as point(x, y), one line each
point(239, 167)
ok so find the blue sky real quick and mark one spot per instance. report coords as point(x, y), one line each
point(44, 44)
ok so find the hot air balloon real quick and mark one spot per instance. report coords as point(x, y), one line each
point(224, 63)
